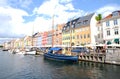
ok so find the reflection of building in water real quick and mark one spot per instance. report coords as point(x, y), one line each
point(93, 70)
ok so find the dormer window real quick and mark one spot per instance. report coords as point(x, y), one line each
point(79, 23)
point(85, 21)
point(116, 13)
point(73, 22)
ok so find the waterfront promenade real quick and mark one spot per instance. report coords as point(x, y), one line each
point(110, 56)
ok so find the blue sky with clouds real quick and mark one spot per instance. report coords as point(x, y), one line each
point(19, 17)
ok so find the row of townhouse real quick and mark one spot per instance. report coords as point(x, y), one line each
point(40, 39)
point(86, 30)
point(80, 31)
point(18, 43)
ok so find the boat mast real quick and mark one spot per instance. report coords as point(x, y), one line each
point(52, 30)
point(32, 34)
point(70, 35)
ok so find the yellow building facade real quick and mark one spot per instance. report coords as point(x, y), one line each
point(80, 31)
point(82, 35)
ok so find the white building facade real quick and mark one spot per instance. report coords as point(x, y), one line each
point(111, 28)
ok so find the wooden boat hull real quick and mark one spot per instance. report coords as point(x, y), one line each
point(61, 57)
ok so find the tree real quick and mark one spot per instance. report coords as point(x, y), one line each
point(98, 17)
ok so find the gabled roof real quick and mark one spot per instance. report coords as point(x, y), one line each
point(84, 21)
point(78, 22)
point(107, 17)
point(110, 16)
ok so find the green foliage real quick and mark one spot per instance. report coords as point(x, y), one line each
point(98, 17)
point(1, 46)
point(82, 44)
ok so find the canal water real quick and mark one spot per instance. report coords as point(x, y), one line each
point(13, 66)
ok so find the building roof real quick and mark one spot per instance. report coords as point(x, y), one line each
point(69, 24)
point(114, 14)
point(84, 21)
point(78, 22)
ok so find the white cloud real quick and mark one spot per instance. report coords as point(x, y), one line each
point(62, 12)
point(47, 8)
point(106, 10)
point(42, 24)
point(11, 19)
point(53, 7)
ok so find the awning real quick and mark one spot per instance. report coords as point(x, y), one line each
point(116, 40)
point(108, 42)
point(55, 48)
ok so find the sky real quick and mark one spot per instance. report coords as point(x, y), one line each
point(19, 18)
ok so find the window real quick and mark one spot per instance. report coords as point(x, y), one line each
point(85, 21)
point(81, 36)
point(84, 36)
point(73, 37)
point(98, 35)
point(74, 22)
point(77, 36)
point(107, 23)
point(73, 25)
point(73, 31)
point(79, 23)
point(98, 28)
point(115, 22)
point(88, 36)
point(101, 28)
point(108, 32)
point(116, 31)
point(64, 28)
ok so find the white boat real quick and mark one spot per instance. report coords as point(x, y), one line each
point(30, 52)
point(21, 53)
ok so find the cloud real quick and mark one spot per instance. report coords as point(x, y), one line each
point(63, 10)
point(106, 10)
point(14, 25)
point(10, 19)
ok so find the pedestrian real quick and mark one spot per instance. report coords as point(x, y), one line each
point(98, 50)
